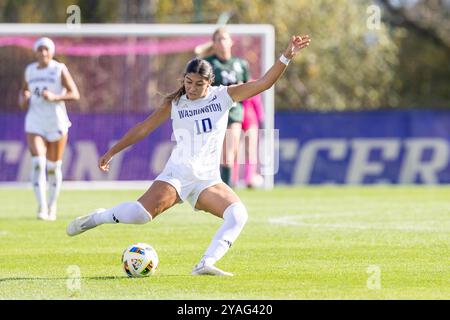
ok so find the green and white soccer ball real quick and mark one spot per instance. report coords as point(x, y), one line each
point(139, 260)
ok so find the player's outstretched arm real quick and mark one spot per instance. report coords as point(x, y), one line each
point(243, 91)
point(137, 133)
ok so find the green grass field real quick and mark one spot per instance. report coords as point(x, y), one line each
point(299, 243)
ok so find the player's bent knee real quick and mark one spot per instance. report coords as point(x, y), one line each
point(143, 215)
point(237, 213)
point(156, 209)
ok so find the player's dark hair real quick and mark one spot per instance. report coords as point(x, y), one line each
point(197, 66)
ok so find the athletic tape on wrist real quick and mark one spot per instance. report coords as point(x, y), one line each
point(284, 60)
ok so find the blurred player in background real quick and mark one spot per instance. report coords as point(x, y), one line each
point(252, 121)
point(46, 86)
point(199, 113)
point(228, 70)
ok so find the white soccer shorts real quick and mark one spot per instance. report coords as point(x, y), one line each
point(50, 130)
point(188, 189)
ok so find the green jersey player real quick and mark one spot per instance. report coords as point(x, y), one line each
point(228, 70)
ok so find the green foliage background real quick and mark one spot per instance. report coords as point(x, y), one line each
point(348, 66)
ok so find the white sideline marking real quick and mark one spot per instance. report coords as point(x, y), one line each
point(292, 220)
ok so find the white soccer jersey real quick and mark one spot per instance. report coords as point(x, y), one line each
point(44, 114)
point(199, 128)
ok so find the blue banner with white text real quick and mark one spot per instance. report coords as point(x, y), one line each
point(378, 147)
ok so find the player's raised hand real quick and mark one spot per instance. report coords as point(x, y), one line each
point(296, 44)
point(103, 162)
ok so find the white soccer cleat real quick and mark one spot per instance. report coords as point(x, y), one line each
point(82, 224)
point(201, 269)
point(42, 215)
point(51, 213)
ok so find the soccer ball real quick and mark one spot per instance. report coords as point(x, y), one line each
point(139, 260)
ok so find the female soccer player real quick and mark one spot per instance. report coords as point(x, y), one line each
point(228, 70)
point(47, 85)
point(199, 113)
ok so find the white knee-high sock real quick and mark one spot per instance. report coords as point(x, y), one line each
point(235, 216)
point(126, 212)
point(39, 181)
point(54, 176)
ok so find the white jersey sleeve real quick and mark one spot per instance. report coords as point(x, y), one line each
point(28, 71)
point(222, 92)
point(61, 67)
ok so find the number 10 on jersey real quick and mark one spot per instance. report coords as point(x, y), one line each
point(204, 127)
